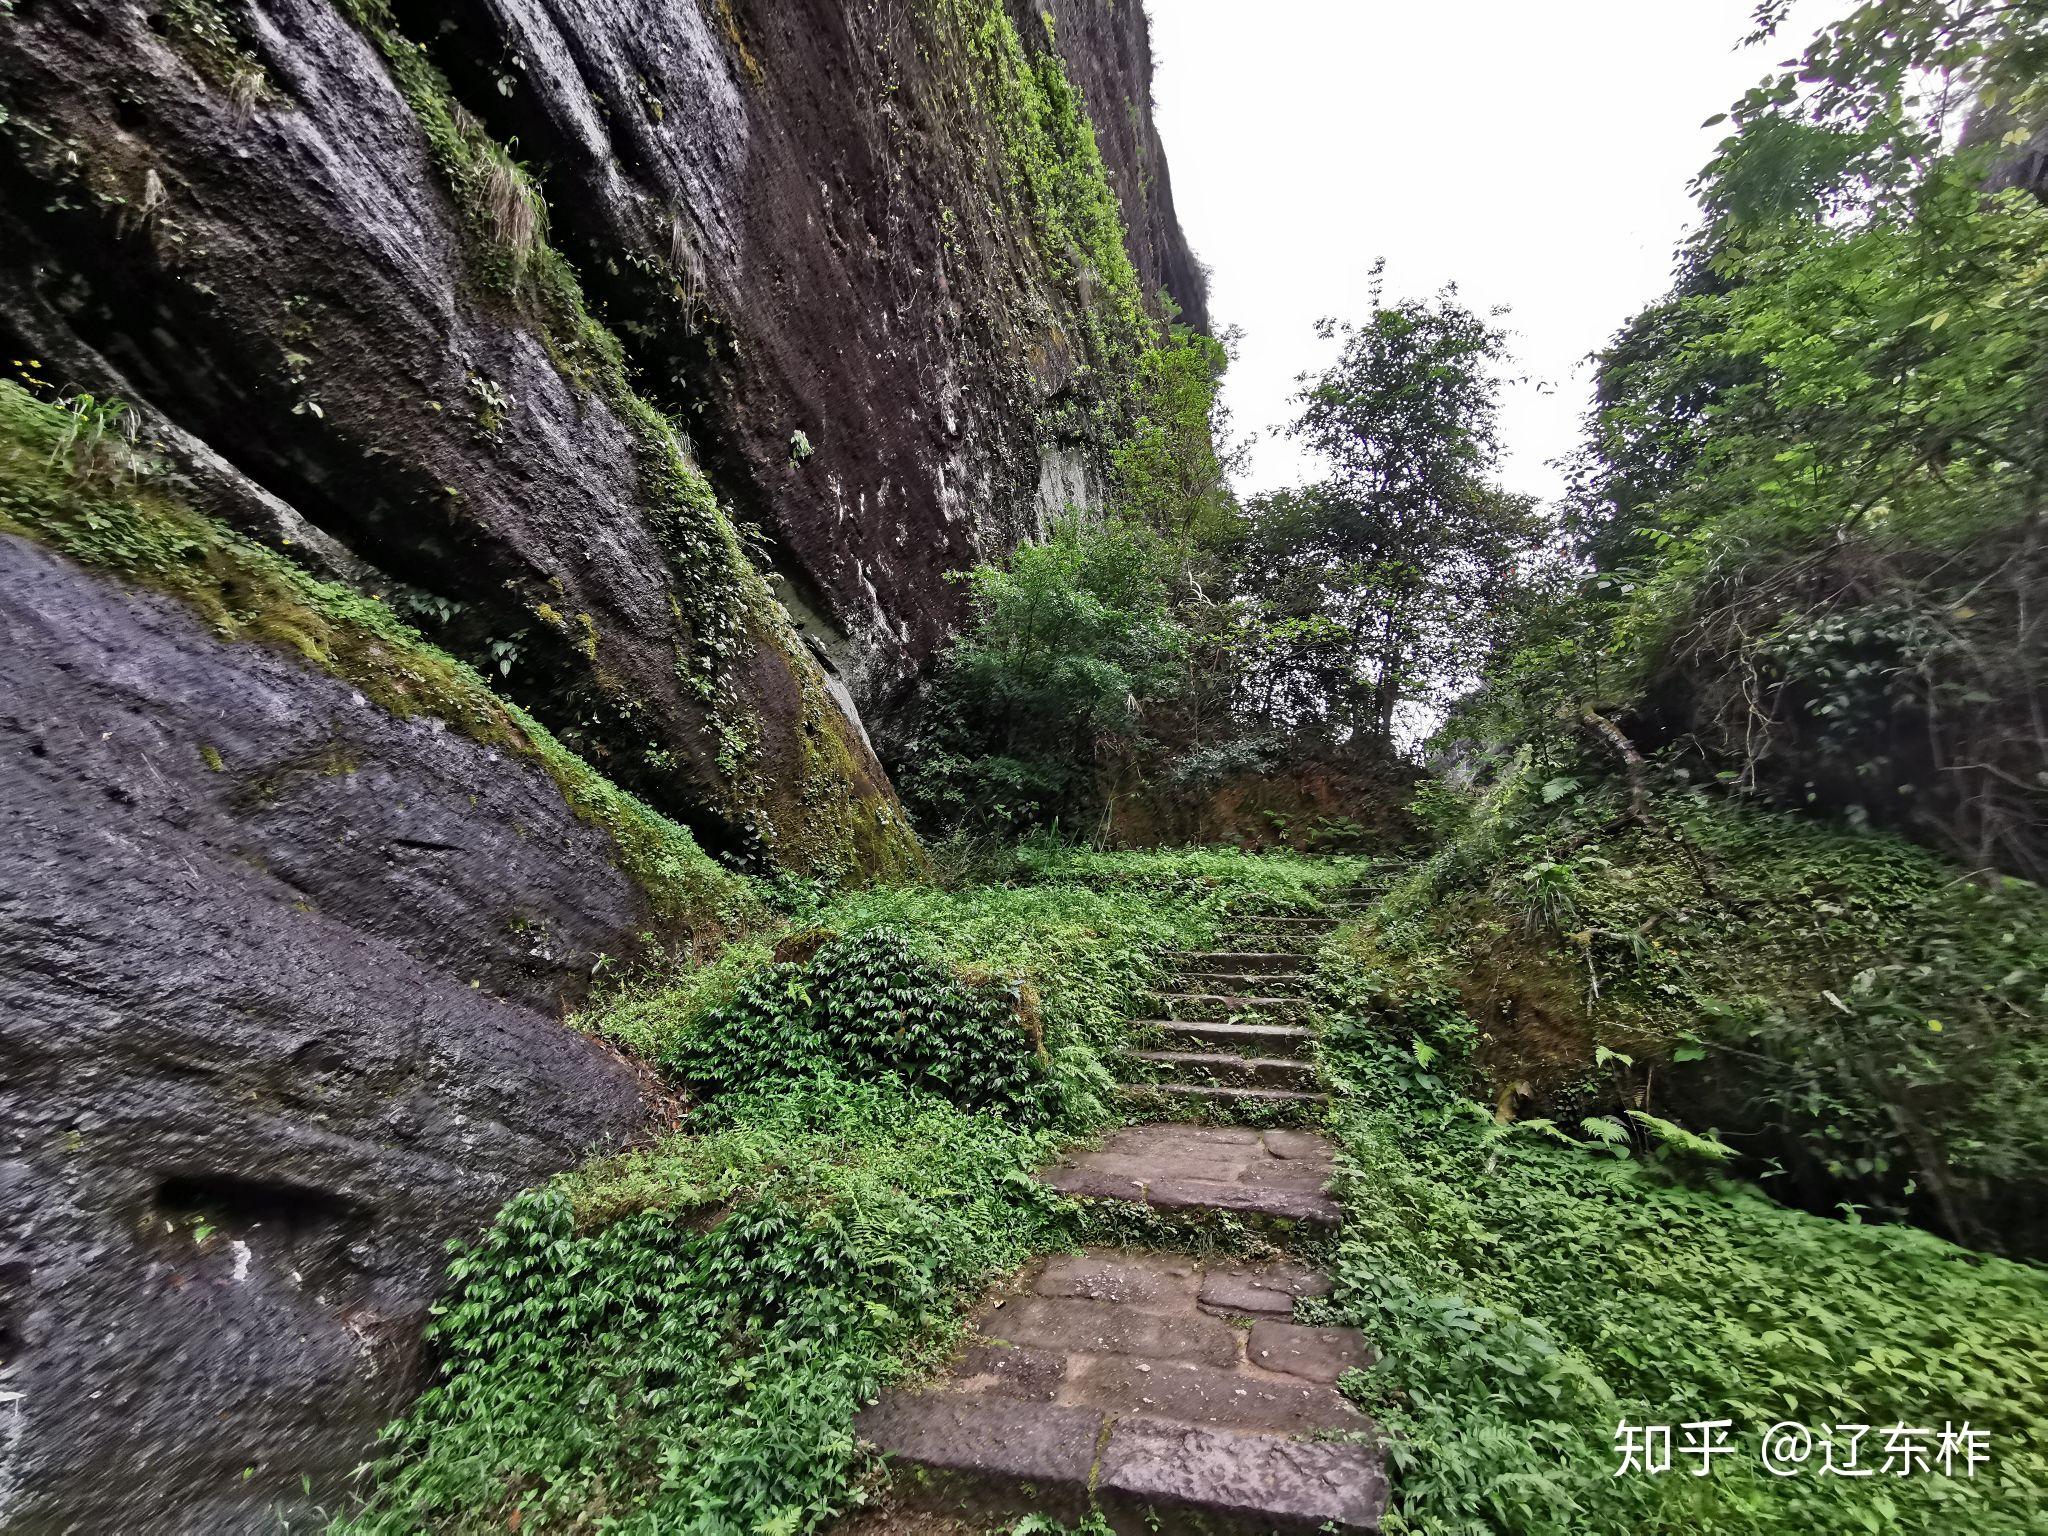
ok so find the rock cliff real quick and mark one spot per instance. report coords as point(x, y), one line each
point(656, 361)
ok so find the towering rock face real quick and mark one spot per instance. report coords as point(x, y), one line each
point(845, 249)
point(277, 231)
point(1107, 51)
point(659, 359)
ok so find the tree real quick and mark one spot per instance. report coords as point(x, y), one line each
point(1070, 640)
point(1371, 589)
point(1169, 474)
point(1810, 502)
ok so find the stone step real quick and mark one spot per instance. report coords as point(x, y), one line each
point(1219, 1069)
point(1302, 946)
point(1242, 962)
point(1225, 1007)
point(1276, 1176)
point(1274, 983)
point(987, 1454)
point(1173, 1393)
point(1225, 1104)
point(1160, 1476)
point(1238, 1039)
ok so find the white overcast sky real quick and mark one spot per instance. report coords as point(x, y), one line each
point(1535, 154)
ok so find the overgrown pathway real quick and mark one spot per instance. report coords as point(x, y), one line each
point(1170, 1393)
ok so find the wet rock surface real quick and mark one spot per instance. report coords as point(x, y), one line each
point(279, 977)
point(793, 215)
point(296, 283)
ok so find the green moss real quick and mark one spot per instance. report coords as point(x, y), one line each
point(1058, 192)
point(116, 522)
point(840, 836)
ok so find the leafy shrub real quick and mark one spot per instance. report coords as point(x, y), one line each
point(866, 1007)
point(1070, 640)
point(1207, 766)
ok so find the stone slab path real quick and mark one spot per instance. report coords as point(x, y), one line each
point(1172, 1394)
point(1226, 1035)
point(1277, 1176)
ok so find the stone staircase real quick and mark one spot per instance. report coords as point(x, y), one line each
point(1227, 1036)
point(1171, 1394)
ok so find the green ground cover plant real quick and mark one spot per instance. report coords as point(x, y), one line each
point(678, 1339)
point(1857, 1014)
point(1527, 1296)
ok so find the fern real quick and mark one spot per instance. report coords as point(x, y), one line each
point(1678, 1139)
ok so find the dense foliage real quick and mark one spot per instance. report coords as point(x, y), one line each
point(1796, 599)
point(1858, 1024)
point(1809, 510)
point(678, 1339)
point(866, 1007)
point(1528, 1298)
point(1173, 627)
point(1071, 640)
point(1796, 609)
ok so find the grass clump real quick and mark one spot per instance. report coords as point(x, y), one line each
point(118, 523)
point(1069, 940)
point(1221, 879)
point(1082, 928)
point(1526, 1297)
